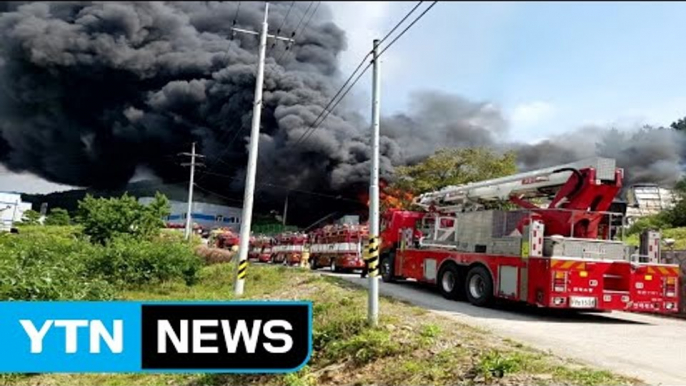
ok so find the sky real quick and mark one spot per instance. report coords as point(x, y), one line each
point(550, 67)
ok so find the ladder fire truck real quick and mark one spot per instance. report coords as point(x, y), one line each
point(288, 248)
point(338, 247)
point(561, 255)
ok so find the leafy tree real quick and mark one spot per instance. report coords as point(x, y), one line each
point(454, 167)
point(105, 218)
point(58, 216)
point(676, 216)
point(679, 125)
point(31, 217)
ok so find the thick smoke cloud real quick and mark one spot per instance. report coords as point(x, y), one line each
point(648, 155)
point(92, 91)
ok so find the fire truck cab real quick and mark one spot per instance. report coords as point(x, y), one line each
point(566, 254)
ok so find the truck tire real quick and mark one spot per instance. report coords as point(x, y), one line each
point(313, 263)
point(449, 282)
point(386, 268)
point(479, 287)
point(334, 267)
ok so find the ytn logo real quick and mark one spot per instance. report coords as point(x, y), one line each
point(70, 328)
point(124, 336)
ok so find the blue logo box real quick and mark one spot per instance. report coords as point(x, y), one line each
point(123, 336)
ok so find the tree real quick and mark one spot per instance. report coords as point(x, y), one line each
point(58, 216)
point(30, 217)
point(105, 218)
point(454, 167)
point(679, 125)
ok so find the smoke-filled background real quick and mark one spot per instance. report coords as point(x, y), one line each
point(92, 92)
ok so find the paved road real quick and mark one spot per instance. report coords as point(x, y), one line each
point(648, 347)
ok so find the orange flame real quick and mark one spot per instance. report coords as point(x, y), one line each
point(389, 197)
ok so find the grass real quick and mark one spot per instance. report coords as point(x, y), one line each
point(410, 346)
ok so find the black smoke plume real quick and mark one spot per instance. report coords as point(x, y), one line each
point(91, 92)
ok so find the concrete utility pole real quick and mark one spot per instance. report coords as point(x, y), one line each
point(246, 218)
point(285, 208)
point(373, 255)
point(192, 164)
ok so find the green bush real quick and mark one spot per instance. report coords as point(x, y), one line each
point(659, 221)
point(45, 266)
point(106, 218)
point(58, 216)
point(30, 217)
point(126, 260)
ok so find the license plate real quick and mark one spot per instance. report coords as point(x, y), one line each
point(582, 302)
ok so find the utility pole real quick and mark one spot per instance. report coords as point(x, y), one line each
point(246, 218)
point(285, 208)
point(373, 255)
point(192, 164)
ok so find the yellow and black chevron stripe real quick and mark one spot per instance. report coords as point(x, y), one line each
point(242, 269)
point(373, 256)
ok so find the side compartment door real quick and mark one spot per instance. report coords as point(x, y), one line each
point(532, 246)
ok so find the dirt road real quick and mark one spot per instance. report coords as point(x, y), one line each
point(648, 347)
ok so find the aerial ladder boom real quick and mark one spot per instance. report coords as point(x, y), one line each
point(527, 184)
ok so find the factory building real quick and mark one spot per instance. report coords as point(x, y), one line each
point(11, 209)
point(207, 216)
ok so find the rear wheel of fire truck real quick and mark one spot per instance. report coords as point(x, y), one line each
point(449, 281)
point(479, 286)
point(313, 263)
point(334, 267)
point(386, 268)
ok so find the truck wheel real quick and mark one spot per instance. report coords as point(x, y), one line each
point(450, 282)
point(334, 268)
point(313, 263)
point(479, 287)
point(387, 267)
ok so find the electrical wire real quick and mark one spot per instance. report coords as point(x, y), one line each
point(217, 194)
point(400, 22)
point(278, 30)
point(290, 190)
point(293, 33)
point(316, 125)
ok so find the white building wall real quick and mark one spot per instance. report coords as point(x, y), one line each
point(11, 209)
point(204, 214)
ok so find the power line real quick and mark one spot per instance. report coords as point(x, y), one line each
point(293, 33)
point(283, 22)
point(400, 22)
point(217, 194)
point(316, 125)
point(407, 28)
point(291, 190)
point(324, 114)
point(310, 18)
point(235, 17)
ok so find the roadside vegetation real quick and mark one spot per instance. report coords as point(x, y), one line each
point(133, 259)
point(671, 222)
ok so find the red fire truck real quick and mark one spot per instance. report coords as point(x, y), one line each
point(288, 248)
point(257, 245)
point(338, 246)
point(565, 254)
point(224, 238)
